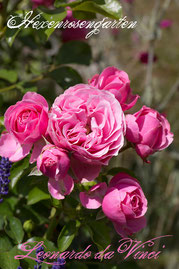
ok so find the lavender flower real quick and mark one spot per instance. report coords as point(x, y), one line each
point(19, 267)
point(5, 166)
point(60, 264)
point(40, 259)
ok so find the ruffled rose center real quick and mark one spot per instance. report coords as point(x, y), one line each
point(49, 162)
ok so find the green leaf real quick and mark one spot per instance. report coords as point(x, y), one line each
point(5, 209)
point(108, 8)
point(17, 171)
point(117, 170)
point(35, 172)
point(12, 33)
point(50, 16)
point(2, 121)
point(36, 195)
point(13, 228)
point(9, 75)
point(5, 243)
point(60, 3)
point(66, 236)
point(80, 53)
point(7, 260)
point(100, 234)
point(84, 15)
point(66, 77)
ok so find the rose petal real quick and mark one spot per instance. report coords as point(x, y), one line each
point(12, 149)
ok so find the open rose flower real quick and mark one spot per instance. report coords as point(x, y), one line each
point(53, 162)
point(94, 197)
point(90, 124)
point(125, 204)
point(117, 82)
point(149, 131)
point(26, 123)
point(46, 3)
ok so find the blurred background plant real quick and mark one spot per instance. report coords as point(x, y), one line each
point(40, 61)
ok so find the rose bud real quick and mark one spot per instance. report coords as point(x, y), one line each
point(117, 82)
point(94, 197)
point(149, 131)
point(53, 162)
point(144, 57)
point(125, 204)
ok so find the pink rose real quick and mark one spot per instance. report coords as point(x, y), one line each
point(117, 82)
point(26, 123)
point(69, 34)
point(125, 204)
point(144, 57)
point(53, 162)
point(60, 188)
point(94, 197)
point(46, 3)
point(27, 120)
point(166, 23)
point(90, 124)
point(149, 131)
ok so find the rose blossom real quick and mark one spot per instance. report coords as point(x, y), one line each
point(60, 188)
point(125, 204)
point(144, 57)
point(166, 23)
point(149, 131)
point(69, 34)
point(46, 3)
point(90, 124)
point(53, 162)
point(26, 123)
point(117, 82)
point(93, 198)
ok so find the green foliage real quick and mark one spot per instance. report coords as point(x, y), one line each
point(67, 235)
point(100, 234)
point(7, 260)
point(65, 76)
point(108, 8)
point(14, 230)
point(9, 75)
point(36, 195)
point(17, 170)
point(53, 16)
point(80, 53)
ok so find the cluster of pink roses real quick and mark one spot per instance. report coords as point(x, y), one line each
point(85, 127)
